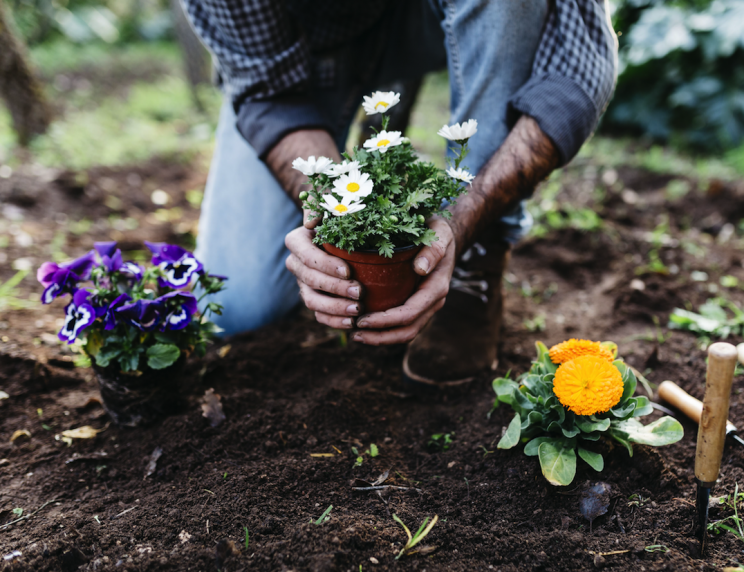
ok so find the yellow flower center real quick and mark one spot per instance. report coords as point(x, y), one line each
point(352, 187)
point(383, 142)
point(340, 208)
point(383, 103)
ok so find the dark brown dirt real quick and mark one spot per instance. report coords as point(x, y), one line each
point(296, 389)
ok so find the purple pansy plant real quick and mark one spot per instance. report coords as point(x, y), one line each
point(178, 264)
point(142, 314)
point(179, 316)
point(79, 314)
point(59, 279)
point(127, 319)
point(112, 261)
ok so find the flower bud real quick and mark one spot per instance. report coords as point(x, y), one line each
point(303, 195)
point(421, 218)
point(393, 219)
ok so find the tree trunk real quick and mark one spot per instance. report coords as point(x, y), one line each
point(196, 59)
point(19, 88)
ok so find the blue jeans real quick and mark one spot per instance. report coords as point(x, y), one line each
point(488, 48)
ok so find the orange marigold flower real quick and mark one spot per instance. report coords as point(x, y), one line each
point(588, 385)
point(573, 348)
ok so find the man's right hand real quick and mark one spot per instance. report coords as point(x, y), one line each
point(320, 274)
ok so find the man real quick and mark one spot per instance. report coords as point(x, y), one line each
point(536, 74)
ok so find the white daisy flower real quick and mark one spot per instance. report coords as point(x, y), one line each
point(312, 166)
point(347, 205)
point(460, 174)
point(342, 168)
point(355, 185)
point(380, 102)
point(384, 140)
point(459, 132)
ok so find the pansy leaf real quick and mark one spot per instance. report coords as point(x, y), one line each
point(587, 425)
point(643, 407)
point(104, 357)
point(511, 437)
point(594, 460)
point(530, 449)
point(664, 431)
point(558, 462)
point(160, 356)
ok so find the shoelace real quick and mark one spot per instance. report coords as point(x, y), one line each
point(460, 282)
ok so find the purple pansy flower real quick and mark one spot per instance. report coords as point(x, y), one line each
point(180, 317)
point(79, 314)
point(178, 264)
point(109, 319)
point(112, 260)
point(59, 279)
point(142, 314)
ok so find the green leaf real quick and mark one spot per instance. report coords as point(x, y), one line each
point(505, 388)
point(643, 407)
point(511, 437)
point(558, 463)
point(530, 449)
point(629, 380)
point(623, 411)
point(664, 431)
point(161, 356)
point(533, 419)
point(569, 433)
point(104, 357)
point(588, 425)
point(594, 460)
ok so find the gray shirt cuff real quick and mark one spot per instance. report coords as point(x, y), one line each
point(264, 123)
point(564, 112)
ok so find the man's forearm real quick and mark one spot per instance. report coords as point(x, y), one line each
point(526, 157)
point(301, 143)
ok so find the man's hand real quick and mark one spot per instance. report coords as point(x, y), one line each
point(402, 324)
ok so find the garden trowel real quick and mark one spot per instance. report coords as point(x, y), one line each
point(712, 428)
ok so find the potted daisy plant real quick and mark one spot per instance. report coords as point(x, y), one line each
point(375, 204)
point(136, 325)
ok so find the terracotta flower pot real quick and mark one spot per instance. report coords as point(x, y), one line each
point(388, 282)
point(134, 401)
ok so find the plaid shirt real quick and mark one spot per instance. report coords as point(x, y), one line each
point(263, 61)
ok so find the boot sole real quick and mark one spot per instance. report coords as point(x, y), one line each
point(420, 381)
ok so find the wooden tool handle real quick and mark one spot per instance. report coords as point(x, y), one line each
point(686, 403)
point(712, 429)
point(740, 349)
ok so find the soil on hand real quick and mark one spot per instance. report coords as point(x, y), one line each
point(304, 407)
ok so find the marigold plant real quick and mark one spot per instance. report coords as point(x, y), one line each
point(564, 409)
point(573, 348)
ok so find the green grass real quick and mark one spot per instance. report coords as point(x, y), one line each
point(131, 123)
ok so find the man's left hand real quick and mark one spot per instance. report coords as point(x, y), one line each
point(402, 324)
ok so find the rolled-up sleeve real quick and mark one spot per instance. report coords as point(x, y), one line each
point(573, 75)
point(263, 65)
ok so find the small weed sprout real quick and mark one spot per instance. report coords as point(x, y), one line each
point(732, 523)
point(421, 533)
point(9, 293)
point(637, 500)
point(656, 548)
point(18, 511)
point(442, 441)
point(324, 517)
point(247, 540)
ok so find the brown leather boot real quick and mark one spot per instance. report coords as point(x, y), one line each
point(460, 341)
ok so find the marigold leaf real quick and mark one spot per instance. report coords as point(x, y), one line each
point(558, 463)
point(587, 425)
point(594, 460)
point(664, 431)
point(513, 431)
point(530, 449)
point(505, 389)
point(569, 433)
point(643, 407)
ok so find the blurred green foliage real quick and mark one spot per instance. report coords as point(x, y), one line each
point(681, 73)
point(110, 21)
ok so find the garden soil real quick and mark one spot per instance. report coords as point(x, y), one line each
point(304, 407)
